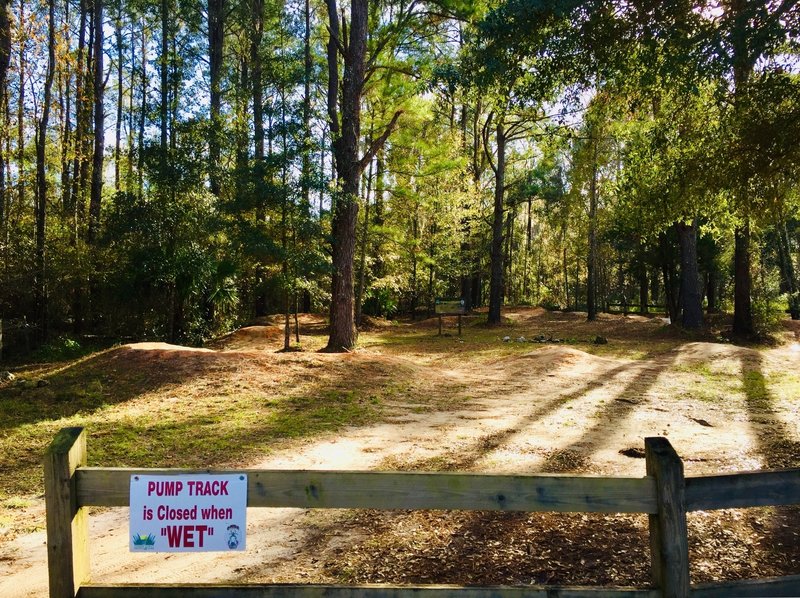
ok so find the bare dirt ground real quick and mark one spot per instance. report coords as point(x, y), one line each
point(515, 406)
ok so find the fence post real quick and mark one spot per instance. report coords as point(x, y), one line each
point(67, 524)
point(669, 542)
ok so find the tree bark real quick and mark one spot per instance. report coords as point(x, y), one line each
point(21, 107)
point(362, 261)
point(788, 272)
point(496, 265)
point(99, 126)
point(216, 35)
point(256, 80)
point(305, 171)
point(5, 60)
point(163, 64)
point(742, 283)
point(591, 261)
point(131, 110)
point(711, 291)
point(349, 167)
point(644, 286)
point(142, 115)
point(508, 256)
point(742, 69)
point(671, 284)
point(564, 270)
point(40, 286)
point(379, 268)
point(691, 297)
point(66, 110)
point(415, 238)
point(528, 245)
point(120, 100)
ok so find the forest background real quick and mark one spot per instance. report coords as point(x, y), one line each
point(171, 169)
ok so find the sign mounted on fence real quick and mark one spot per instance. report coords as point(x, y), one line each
point(188, 513)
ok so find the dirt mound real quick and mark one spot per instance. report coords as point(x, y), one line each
point(162, 362)
point(258, 338)
point(551, 359)
point(371, 323)
point(278, 320)
point(521, 314)
point(701, 352)
point(792, 327)
point(557, 356)
point(433, 322)
point(161, 347)
point(266, 334)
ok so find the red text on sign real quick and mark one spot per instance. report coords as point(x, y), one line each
point(186, 536)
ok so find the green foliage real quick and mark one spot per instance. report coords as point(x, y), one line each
point(646, 98)
point(769, 305)
point(60, 349)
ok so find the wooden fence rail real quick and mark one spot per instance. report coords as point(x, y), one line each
point(663, 494)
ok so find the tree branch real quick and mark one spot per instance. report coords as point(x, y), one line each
point(335, 39)
point(399, 26)
point(377, 144)
point(333, 68)
point(485, 138)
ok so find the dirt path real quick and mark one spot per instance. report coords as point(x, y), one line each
point(551, 409)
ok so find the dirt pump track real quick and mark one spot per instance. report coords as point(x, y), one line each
point(558, 407)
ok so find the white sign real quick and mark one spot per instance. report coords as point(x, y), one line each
point(188, 512)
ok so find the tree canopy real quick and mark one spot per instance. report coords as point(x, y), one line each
point(174, 168)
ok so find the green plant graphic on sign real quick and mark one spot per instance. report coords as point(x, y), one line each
point(144, 540)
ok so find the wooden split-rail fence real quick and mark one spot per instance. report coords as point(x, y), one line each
point(663, 494)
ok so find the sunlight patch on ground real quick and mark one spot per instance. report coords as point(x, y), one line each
point(795, 348)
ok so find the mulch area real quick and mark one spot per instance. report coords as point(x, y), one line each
point(491, 548)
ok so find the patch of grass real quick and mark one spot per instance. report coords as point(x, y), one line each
point(301, 416)
point(755, 389)
point(15, 502)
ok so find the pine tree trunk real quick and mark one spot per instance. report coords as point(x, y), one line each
point(40, 287)
point(305, 178)
point(788, 272)
point(591, 261)
point(379, 268)
point(496, 264)
point(164, 90)
point(99, 126)
point(508, 256)
point(5, 60)
point(711, 291)
point(216, 31)
point(120, 100)
point(22, 65)
point(671, 284)
point(362, 262)
point(742, 69)
point(349, 166)
point(75, 191)
point(641, 268)
point(691, 297)
point(565, 272)
point(742, 310)
point(256, 34)
point(343, 333)
point(66, 109)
